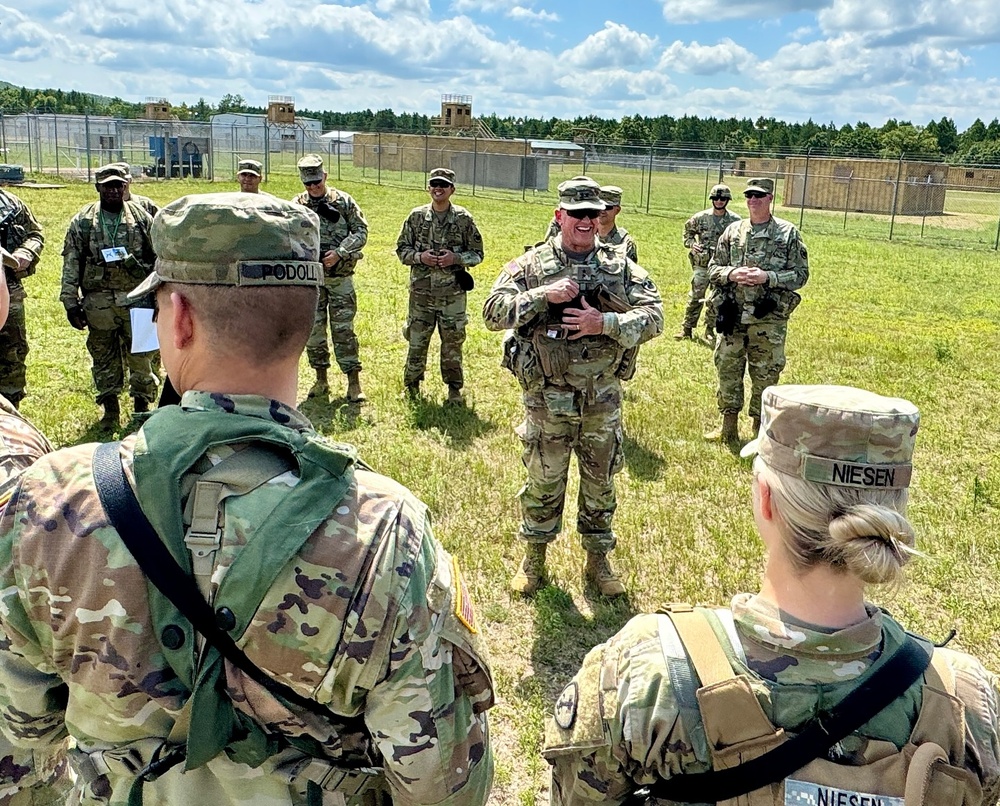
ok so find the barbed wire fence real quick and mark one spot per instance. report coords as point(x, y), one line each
point(910, 197)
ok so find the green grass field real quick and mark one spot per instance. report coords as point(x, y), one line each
point(902, 319)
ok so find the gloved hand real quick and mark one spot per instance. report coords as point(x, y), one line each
point(77, 318)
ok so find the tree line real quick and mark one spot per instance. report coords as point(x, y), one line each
point(936, 140)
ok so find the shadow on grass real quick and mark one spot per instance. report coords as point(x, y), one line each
point(460, 424)
point(564, 635)
point(335, 415)
point(642, 462)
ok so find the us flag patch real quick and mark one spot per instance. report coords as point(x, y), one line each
point(463, 602)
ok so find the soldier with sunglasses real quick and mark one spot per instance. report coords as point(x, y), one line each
point(755, 271)
point(577, 308)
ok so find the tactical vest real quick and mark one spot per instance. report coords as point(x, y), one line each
point(431, 234)
point(758, 301)
point(99, 275)
point(333, 756)
point(726, 716)
point(560, 361)
point(332, 233)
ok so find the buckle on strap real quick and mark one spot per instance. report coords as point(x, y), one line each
point(133, 759)
point(349, 781)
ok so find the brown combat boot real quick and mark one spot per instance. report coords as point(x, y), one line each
point(682, 334)
point(598, 570)
point(530, 576)
point(354, 393)
point(112, 413)
point(454, 396)
point(321, 388)
point(729, 432)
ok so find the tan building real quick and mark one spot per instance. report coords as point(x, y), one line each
point(969, 177)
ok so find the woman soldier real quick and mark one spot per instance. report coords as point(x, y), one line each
point(680, 705)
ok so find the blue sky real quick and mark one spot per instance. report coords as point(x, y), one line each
point(829, 60)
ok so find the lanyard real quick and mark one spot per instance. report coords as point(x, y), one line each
point(110, 234)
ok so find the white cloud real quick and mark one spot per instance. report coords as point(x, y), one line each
point(694, 11)
point(902, 22)
point(529, 15)
point(706, 60)
point(614, 44)
point(417, 7)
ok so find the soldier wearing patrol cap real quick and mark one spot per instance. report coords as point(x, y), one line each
point(440, 242)
point(576, 308)
point(107, 250)
point(144, 202)
point(830, 484)
point(326, 574)
point(343, 234)
point(248, 174)
point(607, 227)
point(755, 271)
point(701, 234)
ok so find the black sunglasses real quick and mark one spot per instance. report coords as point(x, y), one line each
point(312, 183)
point(579, 215)
point(755, 195)
point(438, 183)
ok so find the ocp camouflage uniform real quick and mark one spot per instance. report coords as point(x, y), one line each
point(436, 300)
point(572, 392)
point(21, 235)
point(338, 300)
point(619, 236)
point(145, 203)
point(703, 228)
point(757, 342)
point(334, 585)
point(101, 287)
point(27, 777)
point(631, 719)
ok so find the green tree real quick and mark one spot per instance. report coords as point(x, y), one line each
point(232, 103)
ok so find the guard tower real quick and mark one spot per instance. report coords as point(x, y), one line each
point(280, 109)
point(158, 109)
point(456, 113)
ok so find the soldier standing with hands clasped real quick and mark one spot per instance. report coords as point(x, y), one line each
point(577, 309)
point(755, 270)
point(343, 234)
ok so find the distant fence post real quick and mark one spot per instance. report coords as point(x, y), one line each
point(475, 162)
point(805, 187)
point(649, 179)
point(895, 195)
point(721, 169)
point(524, 171)
point(378, 162)
point(996, 243)
point(27, 129)
point(86, 134)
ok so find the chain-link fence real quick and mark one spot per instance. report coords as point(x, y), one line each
point(909, 197)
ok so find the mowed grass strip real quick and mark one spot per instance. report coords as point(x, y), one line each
point(904, 320)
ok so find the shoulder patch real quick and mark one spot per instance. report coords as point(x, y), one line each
point(566, 706)
point(464, 611)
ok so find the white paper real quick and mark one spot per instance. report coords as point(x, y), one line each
point(143, 331)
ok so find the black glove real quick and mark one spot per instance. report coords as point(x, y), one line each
point(77, 318)
point(327, 211)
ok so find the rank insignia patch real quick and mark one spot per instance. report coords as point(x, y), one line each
point(565, 710)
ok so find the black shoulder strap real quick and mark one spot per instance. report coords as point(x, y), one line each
point(172, 581)
point(898, 673)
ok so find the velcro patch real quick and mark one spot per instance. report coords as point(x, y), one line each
point(279, 272)
point(566, 705)
point(804, 793)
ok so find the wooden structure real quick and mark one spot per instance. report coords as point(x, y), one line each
point(456, 113)
point(281, 109)
point(773, 167)
point(158, 109)
point(970, 177)
point(865, 185)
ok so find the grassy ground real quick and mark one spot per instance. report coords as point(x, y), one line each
point(901, 319)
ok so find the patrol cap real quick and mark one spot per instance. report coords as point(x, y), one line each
point(249, 167)
point(720, 192)
point(580, 193)
point(127, 168)
point(759, 185)
point(611, 195)
point(115, 172)
point(241, 239)
point(442, 175)
point(310, 168)
point(837, 435)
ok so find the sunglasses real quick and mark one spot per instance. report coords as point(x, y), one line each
point(579, 215)
point(719, 198)
point(312, 183)
point(437, 183)
point(755, 195)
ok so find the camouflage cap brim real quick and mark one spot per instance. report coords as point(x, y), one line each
point(239, 273)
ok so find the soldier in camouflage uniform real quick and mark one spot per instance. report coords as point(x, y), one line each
point(829, 499)
point(106, 252)
point(249, 174)
point(577, 310)
point(701, 233)
point(144, 202)
point(440, 242)
point(608, 230)
point(27, 778)
point(755, 270)
point(344, 233)
point(326, 574)
point(21, 235)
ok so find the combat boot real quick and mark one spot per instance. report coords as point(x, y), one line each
point(322, 386)
point(530, 577)
point(682, 334)
point(354, 393)
point(729, 432)
point(454, 395)
point(112, 413)
point(412, 390)
point(598, 571)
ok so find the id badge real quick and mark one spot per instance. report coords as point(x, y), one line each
point(113, 254)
